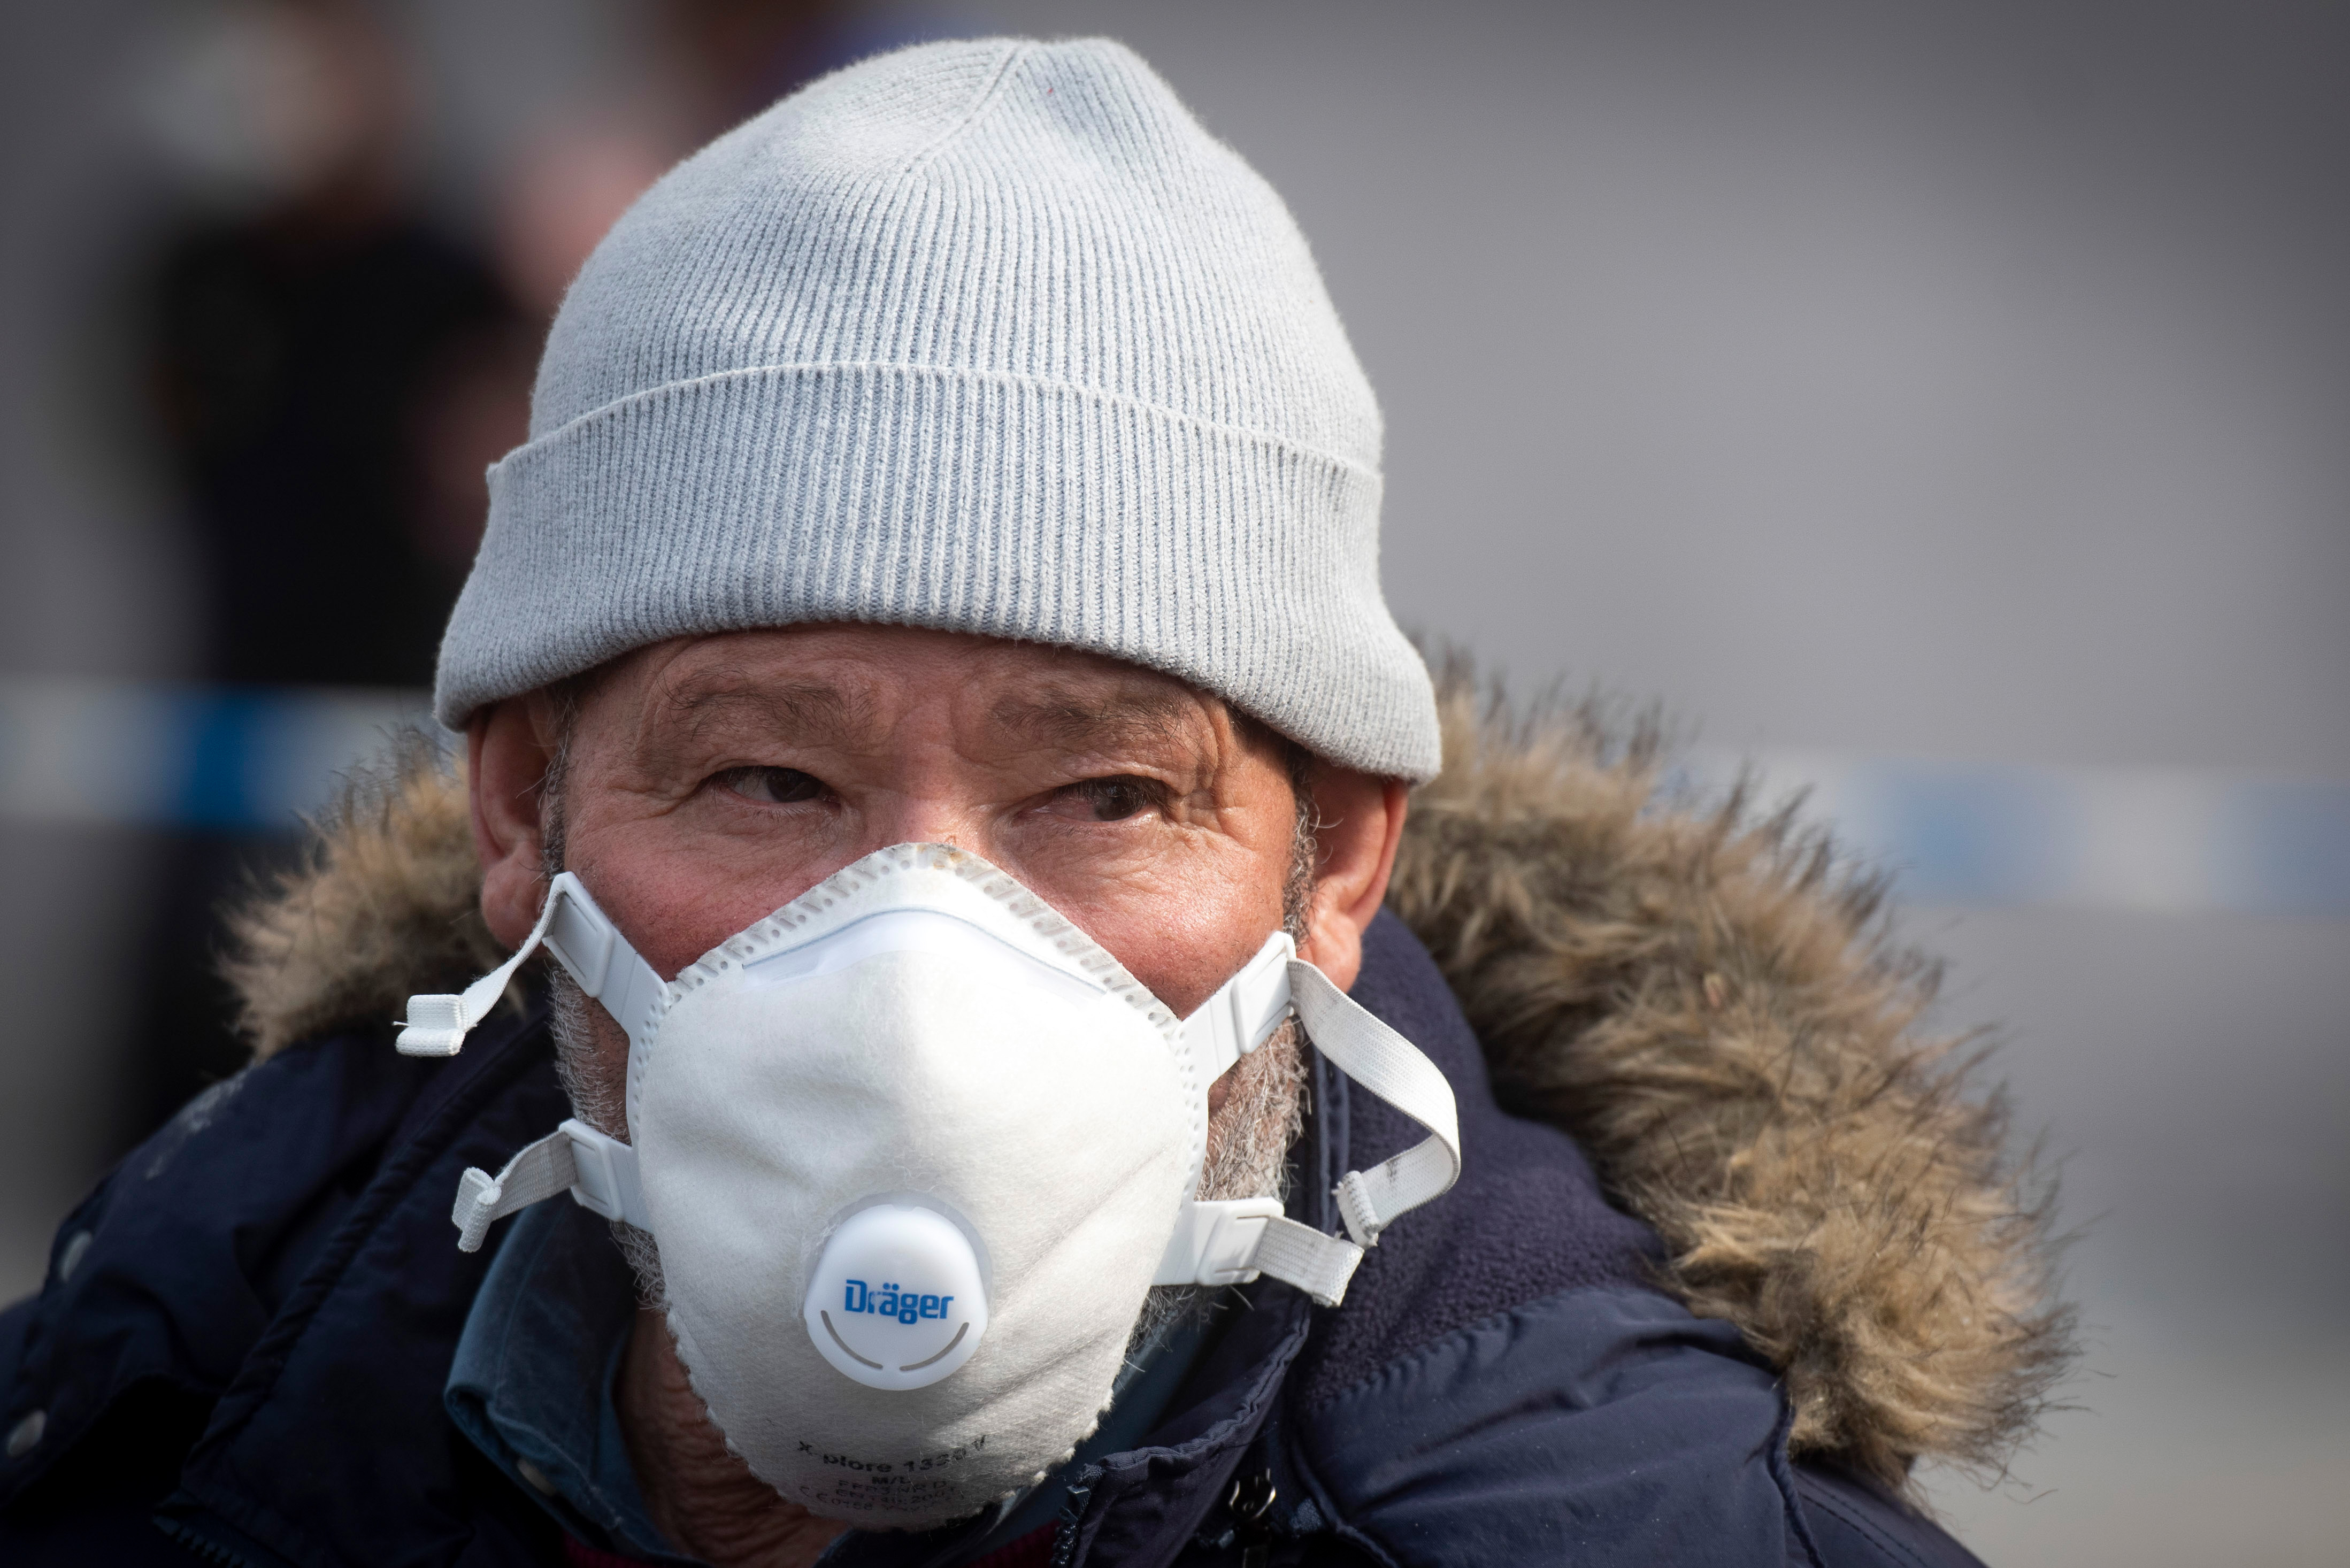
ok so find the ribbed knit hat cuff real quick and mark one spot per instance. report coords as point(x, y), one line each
point(999, 505)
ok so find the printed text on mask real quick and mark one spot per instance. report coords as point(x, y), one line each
point(891, 1302)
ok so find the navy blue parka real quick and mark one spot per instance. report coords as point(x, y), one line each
point(240, 1352)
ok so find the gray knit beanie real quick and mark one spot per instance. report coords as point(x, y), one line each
point(989, 337)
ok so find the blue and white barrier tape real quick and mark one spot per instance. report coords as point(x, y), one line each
point(2165, 840)
point(2111, 838)
point(228, 759)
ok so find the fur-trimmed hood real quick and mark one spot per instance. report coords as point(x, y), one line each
point(1706, 1000)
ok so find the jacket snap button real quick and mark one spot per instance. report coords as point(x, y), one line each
point(26, 1435)
point(536, 1476)
point(77, 1246)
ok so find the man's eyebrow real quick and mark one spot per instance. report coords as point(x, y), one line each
point(725, 699)
point(1110, 722)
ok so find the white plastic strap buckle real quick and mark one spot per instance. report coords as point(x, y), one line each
point(600, 1171)
point(606, 1174)
point(584, 941)
point(1244, 1012)
point(1214, 1241)
point(1230, 1242)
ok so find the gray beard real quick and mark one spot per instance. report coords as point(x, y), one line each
point(1248, 1139)
point(601, 1101)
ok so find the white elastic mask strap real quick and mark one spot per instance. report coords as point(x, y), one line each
point(583, 940)
point(1231, 1240)
point(1302, 1256)
point(599, 1171)
point(1391, 1067)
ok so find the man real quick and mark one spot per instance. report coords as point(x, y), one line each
point(926, 684)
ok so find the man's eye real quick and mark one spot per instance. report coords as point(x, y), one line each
point(772, 787)
point(1115, 799)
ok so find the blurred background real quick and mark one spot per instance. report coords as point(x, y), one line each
point(1946, 406)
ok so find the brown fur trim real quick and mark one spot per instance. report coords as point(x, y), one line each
point(386, 903)
point(1703, 999)
point(1711, 1006)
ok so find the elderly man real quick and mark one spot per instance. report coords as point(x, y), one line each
point(926, 686)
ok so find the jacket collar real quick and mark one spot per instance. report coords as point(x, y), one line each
point(175, 1268)
point(1142, 1506)
point(369, 1331)
point(270, 1288)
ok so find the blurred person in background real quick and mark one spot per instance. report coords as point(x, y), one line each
point(707, 65)
point(331, 368)
point(329, 371)
point(926, 687)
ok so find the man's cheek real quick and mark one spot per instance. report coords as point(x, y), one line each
point(1182, 939)
point(672, 901)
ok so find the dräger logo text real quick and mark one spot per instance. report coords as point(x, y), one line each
point(905, 1306)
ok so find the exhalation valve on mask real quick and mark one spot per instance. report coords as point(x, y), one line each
point(897, 1299)
point(923, 1109)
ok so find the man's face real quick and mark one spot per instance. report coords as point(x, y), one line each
point(710, 780)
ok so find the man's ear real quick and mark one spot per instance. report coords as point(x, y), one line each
point(1358, 822)
point(508, 747)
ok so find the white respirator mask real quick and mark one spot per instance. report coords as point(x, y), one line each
point(913, 1148)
